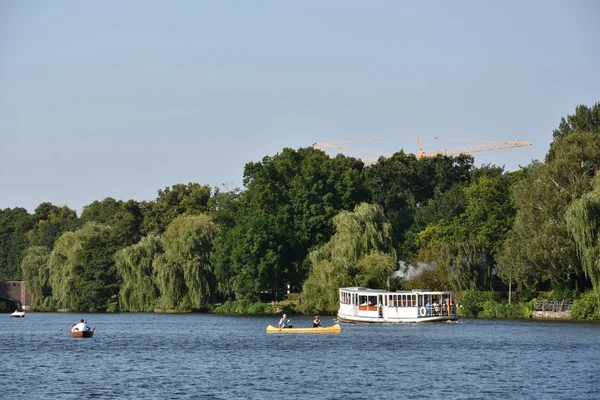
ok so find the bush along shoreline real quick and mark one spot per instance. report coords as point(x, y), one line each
point(472, 304)
point(476, 304)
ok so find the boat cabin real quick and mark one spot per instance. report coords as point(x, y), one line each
point(358, 304)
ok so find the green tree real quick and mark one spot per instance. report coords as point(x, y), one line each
point(36, 273)
point(583, 223)
point(135, 266)
point(225, 212)
point(127, 224)
point(359, 253)
point(585, 119)
point(184, 273)
point(101, 212)
point(466, 245)
point(14, 225)
point(51, 222)
point(82, 272)
point(285, 210)
point(403, 183)
point(539, 243)
point(171, 202)
point(125, 217)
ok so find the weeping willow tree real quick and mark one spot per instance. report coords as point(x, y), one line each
point(62, 265)
point(457, 254)
point(184, 273)
point(135, 266)
point(467, 264)
point(82, 274)
point(360, 253)
point(583, 223)
point(35, 271)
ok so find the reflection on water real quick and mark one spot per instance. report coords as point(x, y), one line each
point(154, 356)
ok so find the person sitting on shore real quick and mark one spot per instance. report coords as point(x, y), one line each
point(317, 322)
point(283, 322)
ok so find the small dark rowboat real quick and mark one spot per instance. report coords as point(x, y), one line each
point(82, 334)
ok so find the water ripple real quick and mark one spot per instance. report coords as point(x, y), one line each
point(151, 356)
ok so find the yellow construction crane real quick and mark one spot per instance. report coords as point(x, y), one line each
point(486, 145)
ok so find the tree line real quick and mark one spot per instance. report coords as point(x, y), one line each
point(309, 223)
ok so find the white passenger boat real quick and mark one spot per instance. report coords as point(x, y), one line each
point(18, 314)
point(359, 304)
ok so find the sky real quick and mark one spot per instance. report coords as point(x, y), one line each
point(122, 99)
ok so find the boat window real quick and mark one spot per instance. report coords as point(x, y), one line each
point(345, 298)
point(367, 300)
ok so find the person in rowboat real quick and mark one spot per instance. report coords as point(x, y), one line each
point(283, 322)
point(81, 326)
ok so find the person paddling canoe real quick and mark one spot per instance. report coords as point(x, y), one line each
point(317, 322)
point(284, 322)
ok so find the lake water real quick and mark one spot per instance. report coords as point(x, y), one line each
point(196, 356)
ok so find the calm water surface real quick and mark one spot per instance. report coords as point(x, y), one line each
point(156, 356)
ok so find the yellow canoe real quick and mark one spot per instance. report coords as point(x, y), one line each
point(328, 329)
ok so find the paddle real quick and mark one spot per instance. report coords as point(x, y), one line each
point(285, 324)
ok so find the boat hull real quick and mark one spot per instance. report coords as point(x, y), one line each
point(357, 320)
point(329, 329)
point(82, 334)
point(18, 314)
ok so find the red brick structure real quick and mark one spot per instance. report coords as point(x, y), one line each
point(16, 292)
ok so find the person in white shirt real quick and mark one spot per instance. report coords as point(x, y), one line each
point(81, 326)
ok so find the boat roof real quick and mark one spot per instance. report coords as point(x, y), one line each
point(382, 291)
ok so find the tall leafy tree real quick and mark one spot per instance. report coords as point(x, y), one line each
point(402, 183)
point(191, 198)
point(82, 273)
point(14, 225)
point(127, 223)
point(359, 253)
point(540, 243)
point(184, 272)
point(50, 222)
point(101, 212)
point(135, 266)
point(285, 210)
point(585, 119)
point(466, 245)
point(583, 222)
point(36, 273)
point(225, 211)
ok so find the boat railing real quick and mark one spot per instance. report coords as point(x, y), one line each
point(439, 311)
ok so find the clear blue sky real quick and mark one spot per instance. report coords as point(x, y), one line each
point(121, 99)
